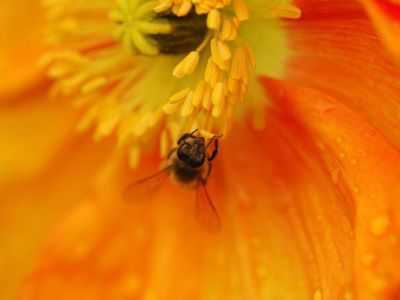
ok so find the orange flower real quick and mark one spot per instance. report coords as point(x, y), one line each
point(305, 181)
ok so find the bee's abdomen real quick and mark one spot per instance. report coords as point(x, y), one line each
point(187, 174)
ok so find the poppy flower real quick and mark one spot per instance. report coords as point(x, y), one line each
point(306, 180)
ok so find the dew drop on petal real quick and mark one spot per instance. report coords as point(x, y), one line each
point(339, 139)
point(348, 295)
point(151, 294)
point(317, 295)
point(394, 239)
point(130, 285)
point(380, 225)
point(356, 189)
point(261, 272)
point(378, 284)
point(369, 259)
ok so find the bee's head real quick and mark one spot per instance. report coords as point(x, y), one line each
point(192, 151)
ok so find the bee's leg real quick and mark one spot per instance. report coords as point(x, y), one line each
point(170, 152)
point(214, 152)
point(208, 172)
point(186, 136)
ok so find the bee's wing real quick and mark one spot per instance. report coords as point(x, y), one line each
point(206, 213)
point(144, 189)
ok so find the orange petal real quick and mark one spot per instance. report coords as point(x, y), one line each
point(21, 43)
point(33, 130)
point(30, 208)
point(339, 53)
point(286, 230)
point(361, 159)
point(293, 227)
point(386, 15)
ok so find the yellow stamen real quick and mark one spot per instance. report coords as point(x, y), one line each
point(207, 98)
point(187, 107)
point(179, 96)
point(250, 55)
point(233, 85)
point(199, 92)
point(218, 93)
point(155, 118)
point(182, 9)
point(163, 6)
point(229, 31)
point(238, 64)
point(285, 11)
point(170, 108)
point(219, 109)
point(93, 85)
point(187, 65)
point(212, 73)
point(220, 53)
point(241, 10)
point(214, 19)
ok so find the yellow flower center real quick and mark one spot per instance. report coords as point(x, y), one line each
point(159, 68)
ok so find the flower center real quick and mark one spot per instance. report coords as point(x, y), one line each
point(158, 68)
point(148, 29)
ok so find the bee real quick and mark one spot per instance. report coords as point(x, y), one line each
point(189, 166)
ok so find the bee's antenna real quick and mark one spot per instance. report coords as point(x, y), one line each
point(186, 136)
point(212, 139)
point(194, 131)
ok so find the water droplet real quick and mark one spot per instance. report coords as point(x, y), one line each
point(350, 233)
point(286, 262)
point(151, 295)
point(317, 295)
point(356, 189)
point(342, 155)
point(369, 259)
point(261, 272)
point(300, 284)
point(348, 295)
point(378, 284)
point(380, 225)
point(345, 292)
point(130, 285)
point(339, 139)
point(353, 161)
point(243, 195)
point(394, 239)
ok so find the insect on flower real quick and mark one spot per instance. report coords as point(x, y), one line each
point(189, 165)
